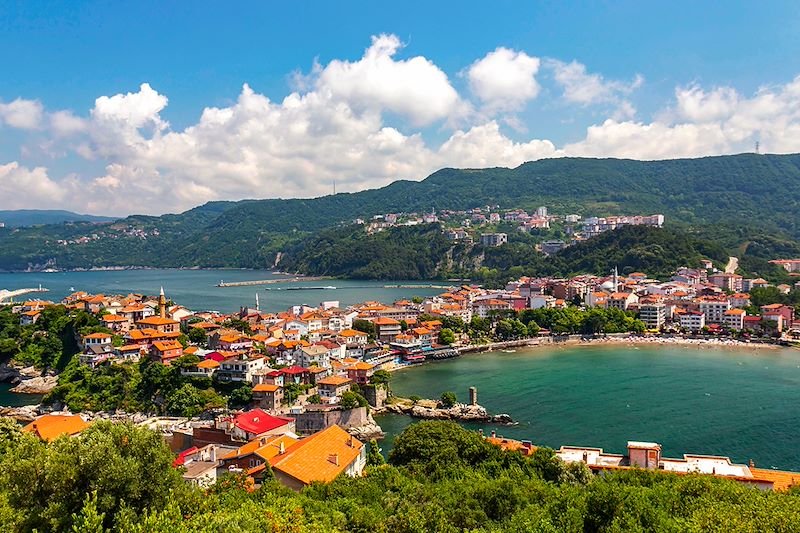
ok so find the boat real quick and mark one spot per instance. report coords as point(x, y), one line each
point(508, 351)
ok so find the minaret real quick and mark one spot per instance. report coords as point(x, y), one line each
point(616, 280)
point(162, 304)
point(257, 309)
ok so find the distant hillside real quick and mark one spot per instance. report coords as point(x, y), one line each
point(32, 217)
point(732, 200)
point(421, 252)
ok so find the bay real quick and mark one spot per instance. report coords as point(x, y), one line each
point(196, 289)
point(738, 402)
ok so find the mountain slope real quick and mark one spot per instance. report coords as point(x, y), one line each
point(31, 217)
point(740, 197)
point(422, 252)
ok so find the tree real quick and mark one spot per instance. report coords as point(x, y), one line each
point(448, 399)
point(351, 400)
point(129, 468)
point(198, 336)
point(446, 336)
point(190, 401)
point(381, 377)
point(315, 398)
point(364, 326)
point(374, 456)
point(241, 396)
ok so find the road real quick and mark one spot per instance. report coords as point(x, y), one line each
point(733, 264)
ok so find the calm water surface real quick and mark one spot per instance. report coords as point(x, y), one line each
point(737, 402)
point(196, 289)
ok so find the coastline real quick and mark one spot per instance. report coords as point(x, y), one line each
point(632, 341)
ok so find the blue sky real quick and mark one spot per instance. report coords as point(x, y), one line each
point(675, 79)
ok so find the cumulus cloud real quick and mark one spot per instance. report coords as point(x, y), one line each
point(22, 187)
point(702, 122)
point(415, 88)
point(504, 80)
point(22, 114)
point(363, 124)
point(584, 88)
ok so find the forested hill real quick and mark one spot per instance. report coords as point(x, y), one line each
point(760, 193)
point(422, 252)
point(32, 217)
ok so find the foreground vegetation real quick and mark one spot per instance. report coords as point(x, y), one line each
point(441, 478)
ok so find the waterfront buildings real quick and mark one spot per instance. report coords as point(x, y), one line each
point(647, 455)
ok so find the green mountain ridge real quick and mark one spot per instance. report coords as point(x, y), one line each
point(32, 217)
point(744, 198)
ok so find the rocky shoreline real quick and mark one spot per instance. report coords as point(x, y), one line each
point(27, 380)
point(431, 410)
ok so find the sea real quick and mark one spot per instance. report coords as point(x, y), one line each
point(197, 290)
point(738, 402)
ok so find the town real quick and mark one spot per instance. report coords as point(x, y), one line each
point(305, 382)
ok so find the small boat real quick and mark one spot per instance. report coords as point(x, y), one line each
point(508, 351)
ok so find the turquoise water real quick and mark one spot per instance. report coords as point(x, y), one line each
point(741, 403)
point(196, 289)
point(11, 399)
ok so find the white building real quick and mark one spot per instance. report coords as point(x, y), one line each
point(692, 320)
point(714, 310)
point(653, 315)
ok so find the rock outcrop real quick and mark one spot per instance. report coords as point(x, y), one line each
point(9, 374)
point(367, 431)
point(38, 385)
point(23, 414)
point(429, 410)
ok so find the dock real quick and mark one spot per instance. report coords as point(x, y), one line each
point(6, 295)
point(270, 281)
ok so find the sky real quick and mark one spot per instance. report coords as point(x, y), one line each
point(147, 107)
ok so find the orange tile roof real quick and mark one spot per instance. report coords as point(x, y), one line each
point(267, 447)
point(320, 457)
point(781, 480)
point(156, 321)
point(208, 363)
point(97, 336)
point(352, 333)
point(113, 318)
point(362, 366)
point(50, 427)
point(265, 387)
point(385, 321)
point(334, 380)
point(163, 346)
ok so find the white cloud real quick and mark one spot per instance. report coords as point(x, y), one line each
point(584, 88)
point(65, 123)
point(504, 80)
point(702, 123)
point(22, 187)
point(348, 121)
point(22, 114)
point(486, 146)
point(414, 88)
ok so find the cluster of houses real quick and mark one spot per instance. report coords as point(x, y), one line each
point(694, 299)
point(244, 444)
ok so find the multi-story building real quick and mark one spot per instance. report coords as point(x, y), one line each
point(714, 310)
point(692, 320)
point(654, 315)
point(734, 319)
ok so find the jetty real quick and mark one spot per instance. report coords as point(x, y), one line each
point(271, 281)
point(7, 296)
